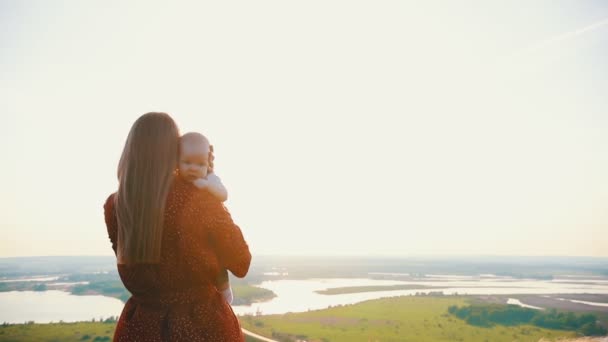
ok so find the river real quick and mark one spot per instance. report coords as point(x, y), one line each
point(292, 295)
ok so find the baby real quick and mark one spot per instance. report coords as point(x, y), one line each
point(196, 166)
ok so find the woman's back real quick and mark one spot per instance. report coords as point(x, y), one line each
point(176, 299)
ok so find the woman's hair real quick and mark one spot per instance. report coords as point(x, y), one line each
point(145, 175)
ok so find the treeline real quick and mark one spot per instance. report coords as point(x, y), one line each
point(22, 286)
point(490, 314)
point(248, 294)
point(112, 288)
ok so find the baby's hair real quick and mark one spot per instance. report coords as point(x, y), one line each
point(194, 137)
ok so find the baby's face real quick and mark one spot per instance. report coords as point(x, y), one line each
point(194, 161)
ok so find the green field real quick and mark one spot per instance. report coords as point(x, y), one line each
point(68, 332)
point(63, 332)
point(409, 318)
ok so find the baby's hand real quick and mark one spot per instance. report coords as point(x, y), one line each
point(212, 177)
point(201, 183)
point(213, 184)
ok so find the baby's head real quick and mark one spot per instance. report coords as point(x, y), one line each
point(194, 160)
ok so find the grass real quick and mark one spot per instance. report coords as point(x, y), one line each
point(68, 332)
point(64, 332)
point(408, 318)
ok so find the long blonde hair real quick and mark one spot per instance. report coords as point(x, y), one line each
point(145, 175)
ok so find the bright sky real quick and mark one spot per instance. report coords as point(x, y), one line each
point(340, 127)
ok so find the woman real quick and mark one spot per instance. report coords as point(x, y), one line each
point(170, 240)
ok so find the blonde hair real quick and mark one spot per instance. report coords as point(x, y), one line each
point(145, 175)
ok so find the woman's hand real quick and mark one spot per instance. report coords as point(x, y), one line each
point(211, 158)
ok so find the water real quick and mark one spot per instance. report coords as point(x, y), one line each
point(584, 302)
point(19, 280)
point(518, 302)
point(292, 296)
point(299, 295)
point(589, 303)
point(52, 306)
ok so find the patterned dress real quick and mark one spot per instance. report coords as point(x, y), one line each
point(176, 299)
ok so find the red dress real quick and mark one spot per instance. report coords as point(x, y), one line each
point(176, 299)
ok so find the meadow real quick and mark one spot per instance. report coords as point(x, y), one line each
point(68, 332)
point(64, 332)
point(408, 318)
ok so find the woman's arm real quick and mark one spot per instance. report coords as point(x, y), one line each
point(230, 245)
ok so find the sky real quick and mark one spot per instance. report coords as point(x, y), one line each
point(340, 127)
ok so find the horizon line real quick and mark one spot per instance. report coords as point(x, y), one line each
point(371, 256)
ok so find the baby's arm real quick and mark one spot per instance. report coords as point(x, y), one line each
point(213, 183)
